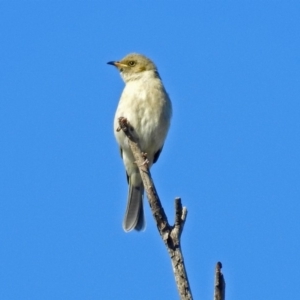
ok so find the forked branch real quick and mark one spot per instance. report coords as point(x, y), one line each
point(170, 234)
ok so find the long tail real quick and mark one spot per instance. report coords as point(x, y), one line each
point(134, 215)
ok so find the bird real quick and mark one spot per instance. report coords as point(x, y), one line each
point(146, 105)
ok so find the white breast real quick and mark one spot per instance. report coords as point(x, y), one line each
point(146, 105)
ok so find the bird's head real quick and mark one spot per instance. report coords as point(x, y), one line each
point(133, 66)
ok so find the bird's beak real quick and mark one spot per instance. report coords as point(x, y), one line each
point(117, 64)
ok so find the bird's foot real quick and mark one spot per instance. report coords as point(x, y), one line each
point(146, 161)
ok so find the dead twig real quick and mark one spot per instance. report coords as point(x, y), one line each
point(170, 234)
point(219, 283)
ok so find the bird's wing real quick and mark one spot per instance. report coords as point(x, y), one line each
point(156, 155)
point(121, 153)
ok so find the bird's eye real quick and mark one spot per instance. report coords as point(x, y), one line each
point(132, 63)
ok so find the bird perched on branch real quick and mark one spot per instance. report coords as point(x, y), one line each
point(146, 105)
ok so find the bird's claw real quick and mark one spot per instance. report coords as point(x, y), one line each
point(146, 160)
point(145, 163)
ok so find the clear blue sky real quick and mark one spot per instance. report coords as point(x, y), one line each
point(232, 70)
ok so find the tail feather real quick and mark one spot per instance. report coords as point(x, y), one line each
point(134, 215)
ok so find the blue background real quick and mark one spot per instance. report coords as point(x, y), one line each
point(232, 70)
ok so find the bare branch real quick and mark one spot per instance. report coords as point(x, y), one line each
point(219, 283)
point(170, 234)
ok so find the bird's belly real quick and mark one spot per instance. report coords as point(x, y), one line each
point(146, 116)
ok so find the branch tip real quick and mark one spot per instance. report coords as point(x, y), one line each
point(219, 283)
point(178, 212)
point(184, 213)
